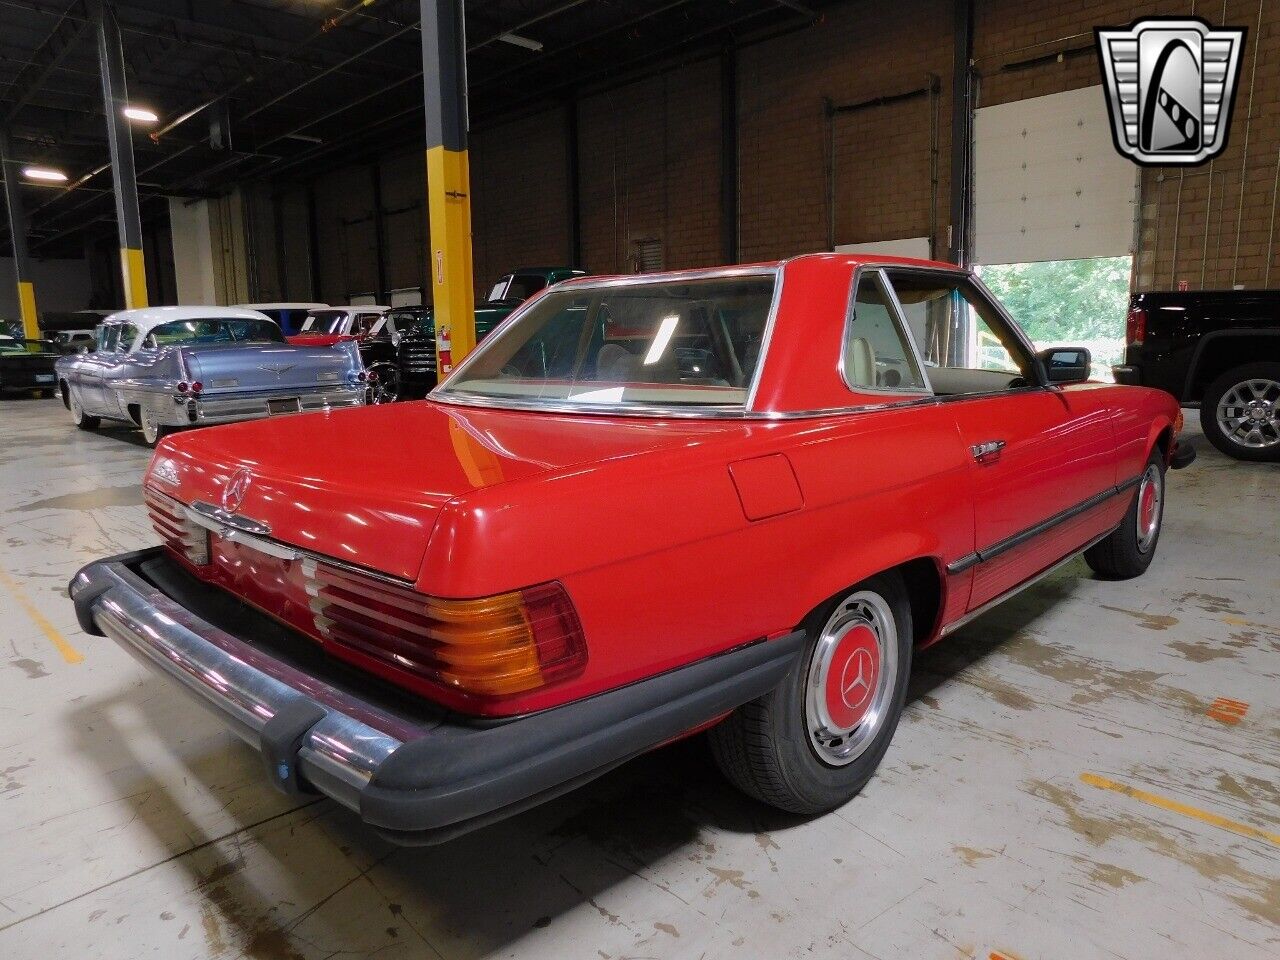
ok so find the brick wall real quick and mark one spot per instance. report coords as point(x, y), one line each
point(882, 185)
point(649, 156)
point(650, 165)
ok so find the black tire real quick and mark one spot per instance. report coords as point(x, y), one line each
point(766, 747)
point(1130, 547)
point(1233, 445)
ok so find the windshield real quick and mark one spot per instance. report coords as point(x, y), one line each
point(14, 345)
point(671, 342)
point(418, 321)
point(324, 321)
point(523, 286)
point(214, 331)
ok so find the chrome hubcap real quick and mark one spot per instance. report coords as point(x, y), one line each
point(1150, 507)
point(1249, 413)
point(149, 428)
point(851, 678)
point(387, 387)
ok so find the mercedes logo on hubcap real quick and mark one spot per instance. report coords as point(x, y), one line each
point(855, 679)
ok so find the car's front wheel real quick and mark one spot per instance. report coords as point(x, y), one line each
point(1129, 549)
point(78, 416)
point(814, 741)
point(1240, 412)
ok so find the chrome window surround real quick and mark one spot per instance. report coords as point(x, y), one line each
point(903, 329)
point(748, 410)
point(709, 411)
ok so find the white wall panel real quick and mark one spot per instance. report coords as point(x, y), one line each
point(1048, 183)
point(907, 247)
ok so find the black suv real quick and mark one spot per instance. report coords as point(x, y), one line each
point(1218, 350)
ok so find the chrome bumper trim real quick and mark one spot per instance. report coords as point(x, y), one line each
point(336, 755)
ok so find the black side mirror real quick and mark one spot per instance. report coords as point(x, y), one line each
point(1066, 364)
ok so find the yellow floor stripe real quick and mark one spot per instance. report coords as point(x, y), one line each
point(69, 653)
point(1164, 803)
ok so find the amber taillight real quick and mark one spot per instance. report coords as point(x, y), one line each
point(177, 532)
point(490, 647)
point(1135, 327)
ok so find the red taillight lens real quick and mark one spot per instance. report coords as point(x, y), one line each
point(362, 376)
point(493, 647)
point(1135, 327)
point(169, 518)
point(197, 387)
point(182, 386)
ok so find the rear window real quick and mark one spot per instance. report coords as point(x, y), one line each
point(324, 321)
point(668, 342)
point(231, 330)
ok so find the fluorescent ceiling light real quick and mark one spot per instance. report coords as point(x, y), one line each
point(44, 173)
point(659, 346)
point(141, 114)
point(518, 41)
point(303, 137)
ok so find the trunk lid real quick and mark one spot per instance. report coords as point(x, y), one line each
point(275, 367)
point(366, 485)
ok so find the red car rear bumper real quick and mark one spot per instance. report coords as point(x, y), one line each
point(414, 772)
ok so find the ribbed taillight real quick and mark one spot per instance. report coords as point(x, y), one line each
point(183, 536)
point(1135, 327)
point(492, 647)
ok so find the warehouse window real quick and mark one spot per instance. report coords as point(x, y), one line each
point(1078, 303)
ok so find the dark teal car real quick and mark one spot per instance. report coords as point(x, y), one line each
point(416, 329)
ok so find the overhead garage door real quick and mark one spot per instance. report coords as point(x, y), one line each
point(1048, 183)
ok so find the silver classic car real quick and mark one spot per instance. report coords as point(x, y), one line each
point(168, 367)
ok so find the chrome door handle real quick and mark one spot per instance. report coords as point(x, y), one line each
point(987, 451)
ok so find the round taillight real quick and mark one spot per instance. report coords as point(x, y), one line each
point(183, 386)
point(197, 387)
point(362, 376)
point(373, 376)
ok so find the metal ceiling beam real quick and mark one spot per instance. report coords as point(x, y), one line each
point(61, 41)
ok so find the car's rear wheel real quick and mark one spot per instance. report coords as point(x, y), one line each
point(78, 416)
point(153, 431)
point(1240, 412)
point(1129, 549)
point(386, 386)
point(813, 742)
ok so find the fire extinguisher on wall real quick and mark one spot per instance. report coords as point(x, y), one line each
point(444, 347)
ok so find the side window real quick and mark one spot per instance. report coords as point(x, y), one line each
point(110, 338)
point(876, 354)
point(967, 345)
point(128, 333)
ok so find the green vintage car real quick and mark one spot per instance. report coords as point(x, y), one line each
point(416, 328)
point(26, 365)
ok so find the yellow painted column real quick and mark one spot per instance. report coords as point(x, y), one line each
point(133, 270)
point(444, 88)
point(27, 310)
point(449, 202)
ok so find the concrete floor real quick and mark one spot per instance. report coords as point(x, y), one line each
point(1062, 785)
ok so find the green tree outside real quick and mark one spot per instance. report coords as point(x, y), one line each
point(1078, 302)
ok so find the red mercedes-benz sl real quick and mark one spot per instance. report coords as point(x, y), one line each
point(734, 499)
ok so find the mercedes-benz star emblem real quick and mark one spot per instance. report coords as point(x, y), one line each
point(237, 486)
point(855, 679)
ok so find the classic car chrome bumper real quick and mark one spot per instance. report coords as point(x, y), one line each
point(417, 776)
point(207, 410)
